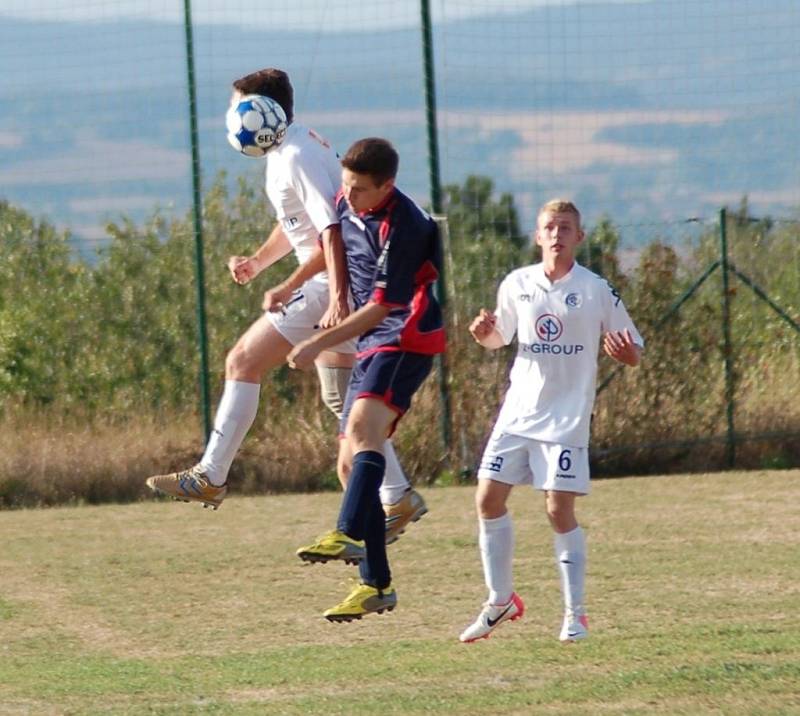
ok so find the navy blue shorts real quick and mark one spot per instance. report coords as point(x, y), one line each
point(389, 376)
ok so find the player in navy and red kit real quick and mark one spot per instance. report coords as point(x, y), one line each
point(302, 176)
point(393, 254)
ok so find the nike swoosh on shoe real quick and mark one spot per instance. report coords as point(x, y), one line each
point(492, 622)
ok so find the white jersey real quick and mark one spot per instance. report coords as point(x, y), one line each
point(558, 326)
point(303, 175)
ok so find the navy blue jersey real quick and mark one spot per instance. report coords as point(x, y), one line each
point(394, 256)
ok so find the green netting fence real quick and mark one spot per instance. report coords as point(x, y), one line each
point(651, 116)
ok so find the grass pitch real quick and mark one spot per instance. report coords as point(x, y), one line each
point(163, 607)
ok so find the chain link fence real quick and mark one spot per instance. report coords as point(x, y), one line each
point(601, 103)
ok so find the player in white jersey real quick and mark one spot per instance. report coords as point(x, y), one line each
point(303, 175)
point(560, 313)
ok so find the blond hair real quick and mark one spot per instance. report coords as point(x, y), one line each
point(560, 206)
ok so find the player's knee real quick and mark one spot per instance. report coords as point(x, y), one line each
point(490, 504)
point(368, 425)
point(562, 517)
point(240, 364)
point(364, 436)
point(233, 361)
point(357, 434)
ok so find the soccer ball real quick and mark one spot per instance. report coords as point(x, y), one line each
point(255, 125)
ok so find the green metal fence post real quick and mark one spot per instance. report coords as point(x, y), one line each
point(758, 291)
point(436, 200)
point(726, 330)
point(673, 309)
point(202, 333)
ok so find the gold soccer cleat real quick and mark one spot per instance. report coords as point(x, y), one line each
point(190, 485)
point(409, 508)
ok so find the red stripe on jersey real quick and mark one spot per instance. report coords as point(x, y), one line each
point(386, 224)
point(379, 297)
point(411, 338)
point(427, 274)
point(414, 340)
point(384, 228)
point(377, 349)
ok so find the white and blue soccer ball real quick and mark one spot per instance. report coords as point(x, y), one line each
point(255, 125)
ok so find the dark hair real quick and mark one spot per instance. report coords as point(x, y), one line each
point(272, 83)
point(373, 156)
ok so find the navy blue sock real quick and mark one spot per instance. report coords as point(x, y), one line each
point(362, 516)
point(374, 569)
point(366, 476)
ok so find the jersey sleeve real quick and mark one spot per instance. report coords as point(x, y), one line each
point(401, 265)
point(506, 312)
point(315, 189)
point(616, 316)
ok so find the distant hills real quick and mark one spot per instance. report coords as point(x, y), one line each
point(650, 112)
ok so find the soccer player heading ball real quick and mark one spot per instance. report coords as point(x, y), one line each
point(560, 312)
point(302, 178)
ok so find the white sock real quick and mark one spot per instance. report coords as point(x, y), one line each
point(235, 414)
point(496, 540)
point(395, 483)
point(333, 387)
point(570, 550)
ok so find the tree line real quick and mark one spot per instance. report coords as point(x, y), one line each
point(113, 338)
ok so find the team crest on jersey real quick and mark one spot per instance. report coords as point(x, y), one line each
point(548, 327)
point(574, 300)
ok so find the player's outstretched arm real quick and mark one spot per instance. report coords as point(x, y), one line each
point(484, 331)
point(245, 268)
point(620, 346)
point(304, 354)
point(336, 265)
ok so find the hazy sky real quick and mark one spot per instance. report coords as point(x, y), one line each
point(655, 110)
point(289, 14)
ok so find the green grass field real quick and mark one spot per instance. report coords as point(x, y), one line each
point(693, 590)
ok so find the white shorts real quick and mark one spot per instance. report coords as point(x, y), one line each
point(299, 319)
point(516, 460)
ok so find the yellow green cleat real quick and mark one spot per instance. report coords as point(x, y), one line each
point(364, 599)
point(333, 545)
